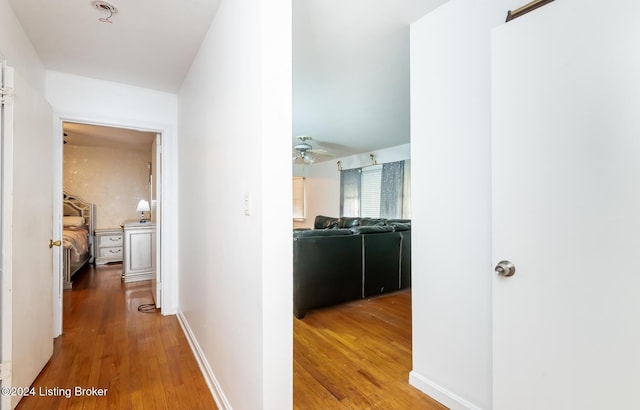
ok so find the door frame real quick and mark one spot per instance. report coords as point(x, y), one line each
point(6, 223)
point(168, 214)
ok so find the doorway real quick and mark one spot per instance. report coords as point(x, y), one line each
point(113, 166)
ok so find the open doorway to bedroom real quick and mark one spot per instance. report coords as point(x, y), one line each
point(113, 175)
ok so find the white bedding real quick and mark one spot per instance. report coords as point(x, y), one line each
point(78, 240)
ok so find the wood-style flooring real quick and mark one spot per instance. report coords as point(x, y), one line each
point(353, 356)
point(142, 359)
point(356, 356)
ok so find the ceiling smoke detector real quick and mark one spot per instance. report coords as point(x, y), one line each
point(105, 7)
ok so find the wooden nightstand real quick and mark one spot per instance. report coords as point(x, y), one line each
point(109, 244)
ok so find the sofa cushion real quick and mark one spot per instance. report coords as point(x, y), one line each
point(373, 221)
point(325, 222)
point(348, 222)
point(402, 221)
point(321, 232)
point(398, 227)
point(371, 229)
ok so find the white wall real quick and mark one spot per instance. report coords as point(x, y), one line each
point(18, 50)
point(323, 180)
point(87, 100)
point(450, 142)
point(235, 270)
point(106, 101)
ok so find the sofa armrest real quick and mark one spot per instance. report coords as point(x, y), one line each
point(327, 270)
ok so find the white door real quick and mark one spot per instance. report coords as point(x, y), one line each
point(566, 207)
point(28, 164)
point(6, 139)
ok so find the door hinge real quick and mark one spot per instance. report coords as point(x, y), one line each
point(5, 370)
point(5, 93)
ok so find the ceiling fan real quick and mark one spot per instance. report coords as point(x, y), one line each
point(305, 152)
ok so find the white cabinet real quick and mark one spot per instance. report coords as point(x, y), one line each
point(109, 245)
point(139, 251)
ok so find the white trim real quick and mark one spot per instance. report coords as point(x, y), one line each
point(169, 210)
point(58, 286)
point(210, 378)
point(439, 393)
point(6, 194)
point(5, 371)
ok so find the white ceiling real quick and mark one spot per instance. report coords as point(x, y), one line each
point(351, 72)
point(150, 43)
point(111, 137)
point(350, 57)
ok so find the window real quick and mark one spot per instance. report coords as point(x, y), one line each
point(350, 192)
point(299, 200)
point(377, 191)
point(371, 178)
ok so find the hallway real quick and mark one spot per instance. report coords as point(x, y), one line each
point(127, 359)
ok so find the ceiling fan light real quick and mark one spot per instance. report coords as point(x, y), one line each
point(303, 146)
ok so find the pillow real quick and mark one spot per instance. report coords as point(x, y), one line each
point(348, 222)
point(325, 222)
point(72, 221)
point(373, 222)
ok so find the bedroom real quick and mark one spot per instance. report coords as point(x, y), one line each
point(109, 169)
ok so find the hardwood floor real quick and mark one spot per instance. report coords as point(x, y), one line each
point(353, 356)
point(142, 359)
point(356, 356)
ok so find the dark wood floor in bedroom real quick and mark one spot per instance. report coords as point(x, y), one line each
point(143, 359)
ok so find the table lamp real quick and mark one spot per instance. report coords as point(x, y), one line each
point(142, 207)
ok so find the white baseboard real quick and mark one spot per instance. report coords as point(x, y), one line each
point(209, 377)
point(440, 394)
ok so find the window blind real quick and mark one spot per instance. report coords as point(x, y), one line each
point(370, 191)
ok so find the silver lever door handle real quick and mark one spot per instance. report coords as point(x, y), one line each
point(505, 268)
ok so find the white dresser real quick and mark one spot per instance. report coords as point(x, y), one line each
point(139, 262)
point(109, 245)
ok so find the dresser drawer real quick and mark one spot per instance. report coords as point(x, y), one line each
point(110, 240)
point(108, 245)
point(108, 253)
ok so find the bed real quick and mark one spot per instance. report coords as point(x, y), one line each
point(78, 225)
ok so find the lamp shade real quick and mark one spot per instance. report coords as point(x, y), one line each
point(143, 206)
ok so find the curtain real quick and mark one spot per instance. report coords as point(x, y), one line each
point(406, 196)
point(392, 188)
point(350, 192)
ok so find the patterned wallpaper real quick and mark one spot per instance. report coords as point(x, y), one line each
point(113, 179)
